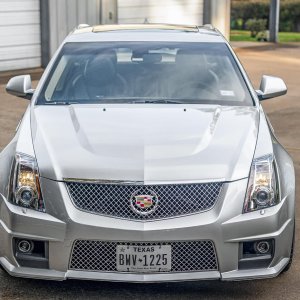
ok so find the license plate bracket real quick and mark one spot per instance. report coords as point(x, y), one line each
point(143, 258)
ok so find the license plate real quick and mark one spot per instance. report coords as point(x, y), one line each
point(143, 258)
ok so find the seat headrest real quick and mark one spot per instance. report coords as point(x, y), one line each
point(101, 69)
point(191, 62)
point(190, 57)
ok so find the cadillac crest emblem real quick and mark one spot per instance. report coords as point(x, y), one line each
point(143, 203)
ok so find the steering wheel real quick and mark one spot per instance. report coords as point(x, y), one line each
point(122, 86)
point(195, 85)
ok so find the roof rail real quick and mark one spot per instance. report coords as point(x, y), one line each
point(209, 26)
point(80, 26)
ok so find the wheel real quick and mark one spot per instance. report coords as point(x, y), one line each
point(288, 266)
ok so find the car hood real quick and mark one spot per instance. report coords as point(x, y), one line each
point(150, 143)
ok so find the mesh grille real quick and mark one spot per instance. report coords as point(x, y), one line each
point(186, 256)
point(173, 200)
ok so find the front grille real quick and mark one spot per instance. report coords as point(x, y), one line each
point(173, 199)
point(186, 256)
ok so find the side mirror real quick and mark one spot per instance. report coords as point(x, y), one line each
point(271, 87)
point(20, 86)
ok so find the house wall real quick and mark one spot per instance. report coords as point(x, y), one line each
point(157, 11)
point(65, 15)
point(20, 43)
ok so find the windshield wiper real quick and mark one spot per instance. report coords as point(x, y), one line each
point(124, 100)
point(61, 103)
point(163, 101)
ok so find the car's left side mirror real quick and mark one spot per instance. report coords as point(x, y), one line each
point(271, 87)
point(20, 86)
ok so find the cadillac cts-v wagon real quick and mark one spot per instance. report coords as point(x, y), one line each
point(145, 156)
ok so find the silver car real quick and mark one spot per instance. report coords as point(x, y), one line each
point(145, 156)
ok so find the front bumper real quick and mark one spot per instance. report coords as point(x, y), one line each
point(225, 225)
point(192, 276)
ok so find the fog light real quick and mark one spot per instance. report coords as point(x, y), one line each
point(25, 246)
point(31, 253)
point(256, 254)
point(262, 247)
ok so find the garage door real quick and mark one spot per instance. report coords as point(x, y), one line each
point(20, 43)
point(158, 11)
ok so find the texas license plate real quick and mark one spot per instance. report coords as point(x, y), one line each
point(143, 258)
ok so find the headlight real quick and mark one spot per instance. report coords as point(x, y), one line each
point(25, 183)
point(262, 190)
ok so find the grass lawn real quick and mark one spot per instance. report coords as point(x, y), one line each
point(244, 35)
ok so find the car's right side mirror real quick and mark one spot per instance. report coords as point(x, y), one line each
point(20, 86)
point(271, 87)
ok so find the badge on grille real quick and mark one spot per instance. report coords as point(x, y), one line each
point(143, 203)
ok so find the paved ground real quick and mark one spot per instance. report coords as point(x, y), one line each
point(284, 113)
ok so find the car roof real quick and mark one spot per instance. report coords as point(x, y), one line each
point(145, 32)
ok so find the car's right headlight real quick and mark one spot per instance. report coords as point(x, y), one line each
point(25, 187)
point(263, 185)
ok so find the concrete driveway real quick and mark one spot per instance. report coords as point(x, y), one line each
point(284, 113)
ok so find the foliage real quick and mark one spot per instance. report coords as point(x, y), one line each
point(262, 36)
point(242, 11)
point(290, 16)
point(256, 25)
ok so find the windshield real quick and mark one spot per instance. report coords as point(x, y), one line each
point(145, 72)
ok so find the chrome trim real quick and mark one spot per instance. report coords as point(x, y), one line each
point(102, 181)
point(128, 182)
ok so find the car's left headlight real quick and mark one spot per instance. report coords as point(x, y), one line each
point(25, 189)
point(263, 185)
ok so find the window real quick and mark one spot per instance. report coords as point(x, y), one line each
point(145, 72)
